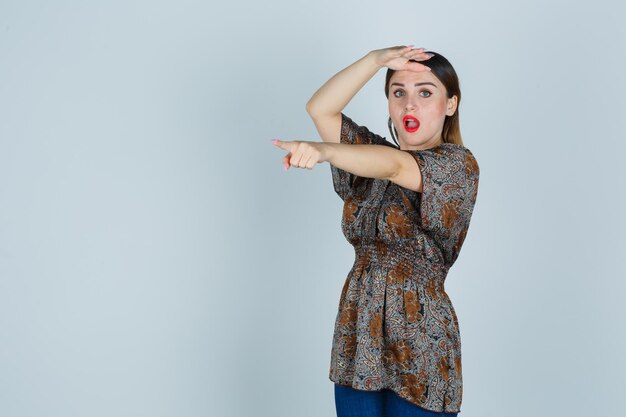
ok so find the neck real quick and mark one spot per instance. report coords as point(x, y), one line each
point(428, 145)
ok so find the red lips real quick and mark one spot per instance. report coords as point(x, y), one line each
point(414, 126)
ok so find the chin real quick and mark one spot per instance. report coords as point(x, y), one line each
point(412, 138)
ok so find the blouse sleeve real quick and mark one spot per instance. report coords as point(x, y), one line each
point(353, 134)
point(450, 185)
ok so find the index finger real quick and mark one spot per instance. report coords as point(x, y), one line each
point(283, 145)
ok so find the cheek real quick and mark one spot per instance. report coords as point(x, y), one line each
point(442, 107)
point(395, 113)
point(436, 112)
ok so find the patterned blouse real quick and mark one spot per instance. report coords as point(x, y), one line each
point(396, 327)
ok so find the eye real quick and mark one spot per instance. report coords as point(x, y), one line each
point(397, 91)
point(426, 91)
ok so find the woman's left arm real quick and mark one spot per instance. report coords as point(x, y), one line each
point(371, 161)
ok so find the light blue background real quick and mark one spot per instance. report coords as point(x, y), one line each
point(156, 259)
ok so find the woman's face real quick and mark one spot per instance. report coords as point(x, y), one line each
point(422, 96)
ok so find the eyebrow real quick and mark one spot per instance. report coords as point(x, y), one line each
point(416, 85)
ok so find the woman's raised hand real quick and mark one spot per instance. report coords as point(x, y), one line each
point(301, 154)
point(399, 58)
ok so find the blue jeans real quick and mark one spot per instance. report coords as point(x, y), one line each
point(351, 402)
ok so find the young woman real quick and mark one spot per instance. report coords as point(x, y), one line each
point(396, 347)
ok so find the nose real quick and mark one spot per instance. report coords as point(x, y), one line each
point(411, 102)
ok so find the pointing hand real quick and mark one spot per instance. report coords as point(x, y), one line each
point(302, 154)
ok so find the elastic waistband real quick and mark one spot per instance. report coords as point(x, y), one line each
point(402, 256)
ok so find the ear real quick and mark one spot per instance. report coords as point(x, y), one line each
point(451, 106)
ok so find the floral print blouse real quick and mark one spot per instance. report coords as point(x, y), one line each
point(396, 327)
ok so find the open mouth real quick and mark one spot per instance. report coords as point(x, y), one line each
point(411, 124)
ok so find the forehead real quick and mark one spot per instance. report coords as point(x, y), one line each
point(409, 78)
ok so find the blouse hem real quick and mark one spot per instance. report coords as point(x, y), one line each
point(346, 384)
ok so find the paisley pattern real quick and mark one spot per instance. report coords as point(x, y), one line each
point(396, 327)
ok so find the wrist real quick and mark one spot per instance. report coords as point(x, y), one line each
point(372, 56)
point(326, 152)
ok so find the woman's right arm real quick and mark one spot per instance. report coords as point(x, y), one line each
point(326, 104)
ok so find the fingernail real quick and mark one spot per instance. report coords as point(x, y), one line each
point(274, 140)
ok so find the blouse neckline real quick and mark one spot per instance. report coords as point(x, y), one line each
point(428, 149)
